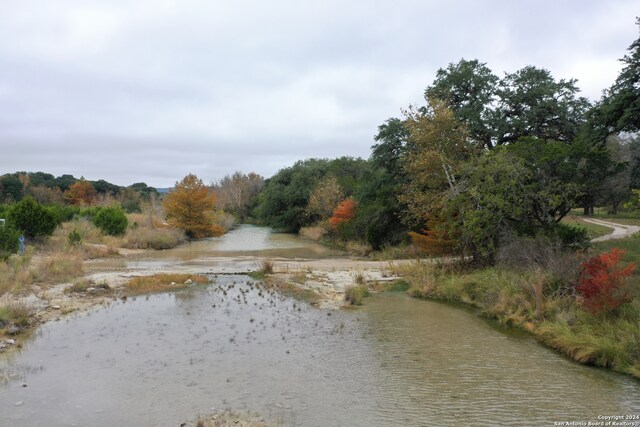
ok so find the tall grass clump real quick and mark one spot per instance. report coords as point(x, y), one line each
point(15, 272)
point(15, 314)
point(73, 234)
point(266, 266)
point(355, 294)
point(58, 268)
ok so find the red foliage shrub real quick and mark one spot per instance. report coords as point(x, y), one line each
point(344, 212)
point(602, 283)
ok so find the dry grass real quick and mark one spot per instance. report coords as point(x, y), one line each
point(163, 282)
point(397, 252)
point(266, 266)
point(149, 232)
point(156, 238)
point(59, 241)
point(298, 277)
point(358, 277)
point(16, 314)
point(17, 273)
point(313, 233)
point(58, 268)
point(83, 286)
point(358, 249)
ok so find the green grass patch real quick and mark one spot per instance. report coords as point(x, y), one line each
point(394, 286)
point(292, 290)
point(256, 275)
point(354, 295)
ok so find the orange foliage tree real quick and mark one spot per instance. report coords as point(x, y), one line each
point(602, 283)
point(434, 239)
point(344, 212)
point(80, 193)
point(190, 207)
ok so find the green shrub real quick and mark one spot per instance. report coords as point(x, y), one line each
point(32, 218)
point(74, 238)
point(571, 237)
point(111, 220)
point(8, 240)
point(63, 213)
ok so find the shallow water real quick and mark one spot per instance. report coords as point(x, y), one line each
point(247, 240)
point(162, 359)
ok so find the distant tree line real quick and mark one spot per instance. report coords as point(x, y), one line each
point(66, 189)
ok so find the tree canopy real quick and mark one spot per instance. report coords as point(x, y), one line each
point(190, 207)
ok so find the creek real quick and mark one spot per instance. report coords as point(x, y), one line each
point(161, 360)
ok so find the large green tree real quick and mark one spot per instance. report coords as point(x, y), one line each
point(531, 103)
point(619, 108)
point(525, 188)
point(379, 211)
point(283, 201)
point(438, 147)
point(468, 88)
point(528, 102)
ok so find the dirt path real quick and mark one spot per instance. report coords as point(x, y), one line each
point(620, 231)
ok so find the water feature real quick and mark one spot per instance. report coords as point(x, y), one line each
point(162, 359)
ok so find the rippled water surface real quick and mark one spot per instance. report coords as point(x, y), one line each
point(247, 240)
point(162, 359)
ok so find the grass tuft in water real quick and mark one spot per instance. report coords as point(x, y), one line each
point(355, 294)
point(163, 282)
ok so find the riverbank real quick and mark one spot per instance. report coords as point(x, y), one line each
point(538, 302)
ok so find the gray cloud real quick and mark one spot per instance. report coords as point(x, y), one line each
point(152, 90)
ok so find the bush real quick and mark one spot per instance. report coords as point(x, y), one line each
point(8, 240)
point(32, 218)
point(571, 237)
point(602, 284)
point(63, 213)
point(111, 220)
point(74, 238)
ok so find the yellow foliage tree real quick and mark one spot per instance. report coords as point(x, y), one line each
point(190, 207)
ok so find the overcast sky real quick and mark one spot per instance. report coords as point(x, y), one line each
point(151, 90)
